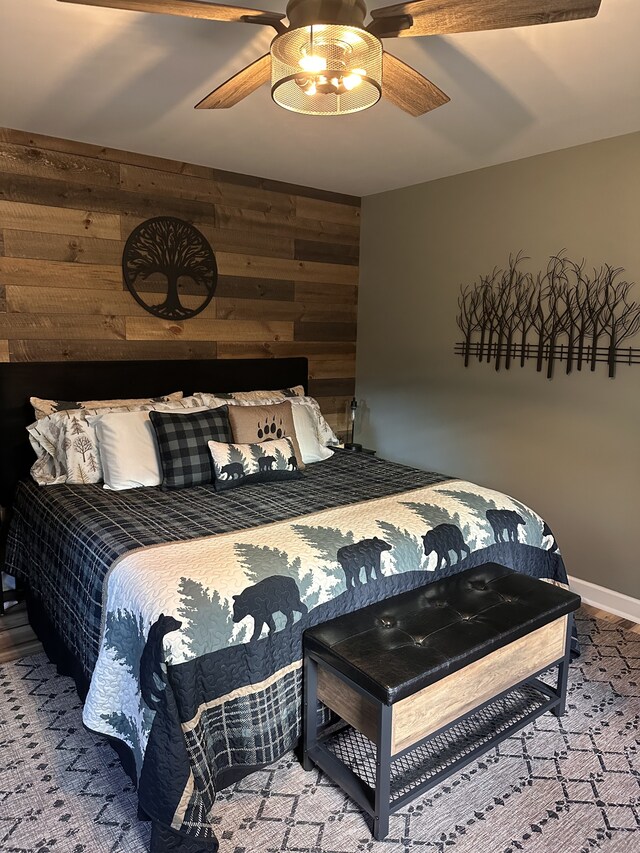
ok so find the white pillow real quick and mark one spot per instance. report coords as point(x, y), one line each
point(325, 434)
point(128, 447)
point(312, 449)
point(128, 450)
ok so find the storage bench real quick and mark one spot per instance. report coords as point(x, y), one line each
point(432, 679)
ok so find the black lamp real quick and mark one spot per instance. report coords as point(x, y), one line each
point(351, 445)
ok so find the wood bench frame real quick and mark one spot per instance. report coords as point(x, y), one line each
point(398, 729)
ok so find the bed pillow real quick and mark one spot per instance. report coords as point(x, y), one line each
point(183, 439)
point(239, 464)
point(128, 449)
point(66, 447)
point(191, 404)
point(252, 424)
point(326, 435)
point(311, 447)
point(42, 408)
point(249, 398)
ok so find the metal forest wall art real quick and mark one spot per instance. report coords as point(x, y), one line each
point(170, 257)
point(564, 313)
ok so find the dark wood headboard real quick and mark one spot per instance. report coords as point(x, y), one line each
point(95, 380)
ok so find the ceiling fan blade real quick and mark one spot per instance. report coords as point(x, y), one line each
point(407, 88)
point(239, 86)
point(190, 9)
point(440, 17)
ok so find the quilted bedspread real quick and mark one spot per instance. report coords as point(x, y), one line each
point(198, 665)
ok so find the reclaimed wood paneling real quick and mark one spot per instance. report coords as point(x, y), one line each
point(327, 211)
point(228, 240)
point(52, 192)
point(28, 272)
point(183, 186)
point(286, 226)
point(246, 309)
point(230, 263)
point(67, 146)
point(40, 163)
point(56, 220)
point(238, 287)
point(313, 291)
point(287, 258)
point(43, 327)
point(150, 328)
point(285, 349)
point(109, 350)
point(86, 302)
point(61, 247)
point(334, 253)
point(325, 331)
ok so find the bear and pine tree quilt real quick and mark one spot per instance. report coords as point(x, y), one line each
point(199, 665)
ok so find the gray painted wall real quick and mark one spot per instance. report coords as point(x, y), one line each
point(569, 447)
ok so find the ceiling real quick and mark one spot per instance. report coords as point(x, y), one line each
point(130, 81)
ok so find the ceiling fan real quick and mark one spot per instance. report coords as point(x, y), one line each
point(328, 62)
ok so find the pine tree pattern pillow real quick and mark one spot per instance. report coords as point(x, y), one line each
point(249, 398)
point(238, 464)
point(43, 408)
point(66, 445)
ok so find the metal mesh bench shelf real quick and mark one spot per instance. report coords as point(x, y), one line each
point(426, 764)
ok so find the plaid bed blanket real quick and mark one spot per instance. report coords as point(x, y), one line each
point(197, 616)
point(63, 539)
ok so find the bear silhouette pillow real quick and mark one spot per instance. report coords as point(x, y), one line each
point(238, 464)
point(251, 424)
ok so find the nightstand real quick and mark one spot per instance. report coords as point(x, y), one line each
point(366, 450)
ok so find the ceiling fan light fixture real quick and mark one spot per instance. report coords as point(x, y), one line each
point(326, 69)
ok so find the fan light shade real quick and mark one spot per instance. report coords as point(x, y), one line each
point(326, 69)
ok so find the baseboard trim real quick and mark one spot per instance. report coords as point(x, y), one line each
point(607, 599)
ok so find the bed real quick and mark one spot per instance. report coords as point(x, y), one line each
point(180, 614)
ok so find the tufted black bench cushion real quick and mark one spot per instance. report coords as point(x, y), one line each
point(398, 646)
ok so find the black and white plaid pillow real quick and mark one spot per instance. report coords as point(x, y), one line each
point(183, 444)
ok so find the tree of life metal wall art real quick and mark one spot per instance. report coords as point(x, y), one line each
point(169, 268)
point(565, 313)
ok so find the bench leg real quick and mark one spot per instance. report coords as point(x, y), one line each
point(563, 671)
point(310, 710)
point(383, 774)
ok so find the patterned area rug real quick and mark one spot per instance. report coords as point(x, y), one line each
point(566, 786)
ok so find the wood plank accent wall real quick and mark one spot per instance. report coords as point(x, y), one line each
point(287, 259)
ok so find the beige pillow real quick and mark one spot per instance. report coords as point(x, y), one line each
point(253, 424)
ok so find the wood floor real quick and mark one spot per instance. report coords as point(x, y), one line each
point(634, 627)
point(17, 640)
